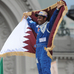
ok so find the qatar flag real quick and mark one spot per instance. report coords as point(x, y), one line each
point(22, 40)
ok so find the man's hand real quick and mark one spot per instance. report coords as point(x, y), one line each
point(60, 5)
point(25, 14)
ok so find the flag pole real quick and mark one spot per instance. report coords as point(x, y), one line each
point(1, 66)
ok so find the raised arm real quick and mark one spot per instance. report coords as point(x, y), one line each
point(52, 20)
point(32, 24)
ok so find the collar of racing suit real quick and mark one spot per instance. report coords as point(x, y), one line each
point(43, 27)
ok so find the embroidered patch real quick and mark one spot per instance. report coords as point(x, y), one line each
point(42, 39)
point(38, 29)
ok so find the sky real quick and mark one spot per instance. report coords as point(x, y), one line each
point(44, 5)
point(69, 3)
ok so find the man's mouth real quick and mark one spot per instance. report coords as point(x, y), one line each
point(39, 22)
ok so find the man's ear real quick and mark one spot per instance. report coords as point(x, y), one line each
point(45, 18)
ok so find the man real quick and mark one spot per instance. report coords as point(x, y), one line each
point(43, 29)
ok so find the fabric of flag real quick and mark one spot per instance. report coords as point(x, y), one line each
point(23, 38)
point(20, 41)
point(1, 66)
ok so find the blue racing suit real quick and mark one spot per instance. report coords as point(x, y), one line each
point(43, 61)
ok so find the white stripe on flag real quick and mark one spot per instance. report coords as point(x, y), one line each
point(14, 42)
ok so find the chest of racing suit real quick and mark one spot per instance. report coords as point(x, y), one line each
point(43, 31)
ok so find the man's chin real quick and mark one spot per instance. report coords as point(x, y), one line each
point(39, 23)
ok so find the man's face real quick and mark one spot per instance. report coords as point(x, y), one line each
point(41, 20)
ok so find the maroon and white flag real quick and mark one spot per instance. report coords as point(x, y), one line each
point(22, 40)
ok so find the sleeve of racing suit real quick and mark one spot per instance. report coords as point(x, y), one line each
point(32, 24)
point(51, 22)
